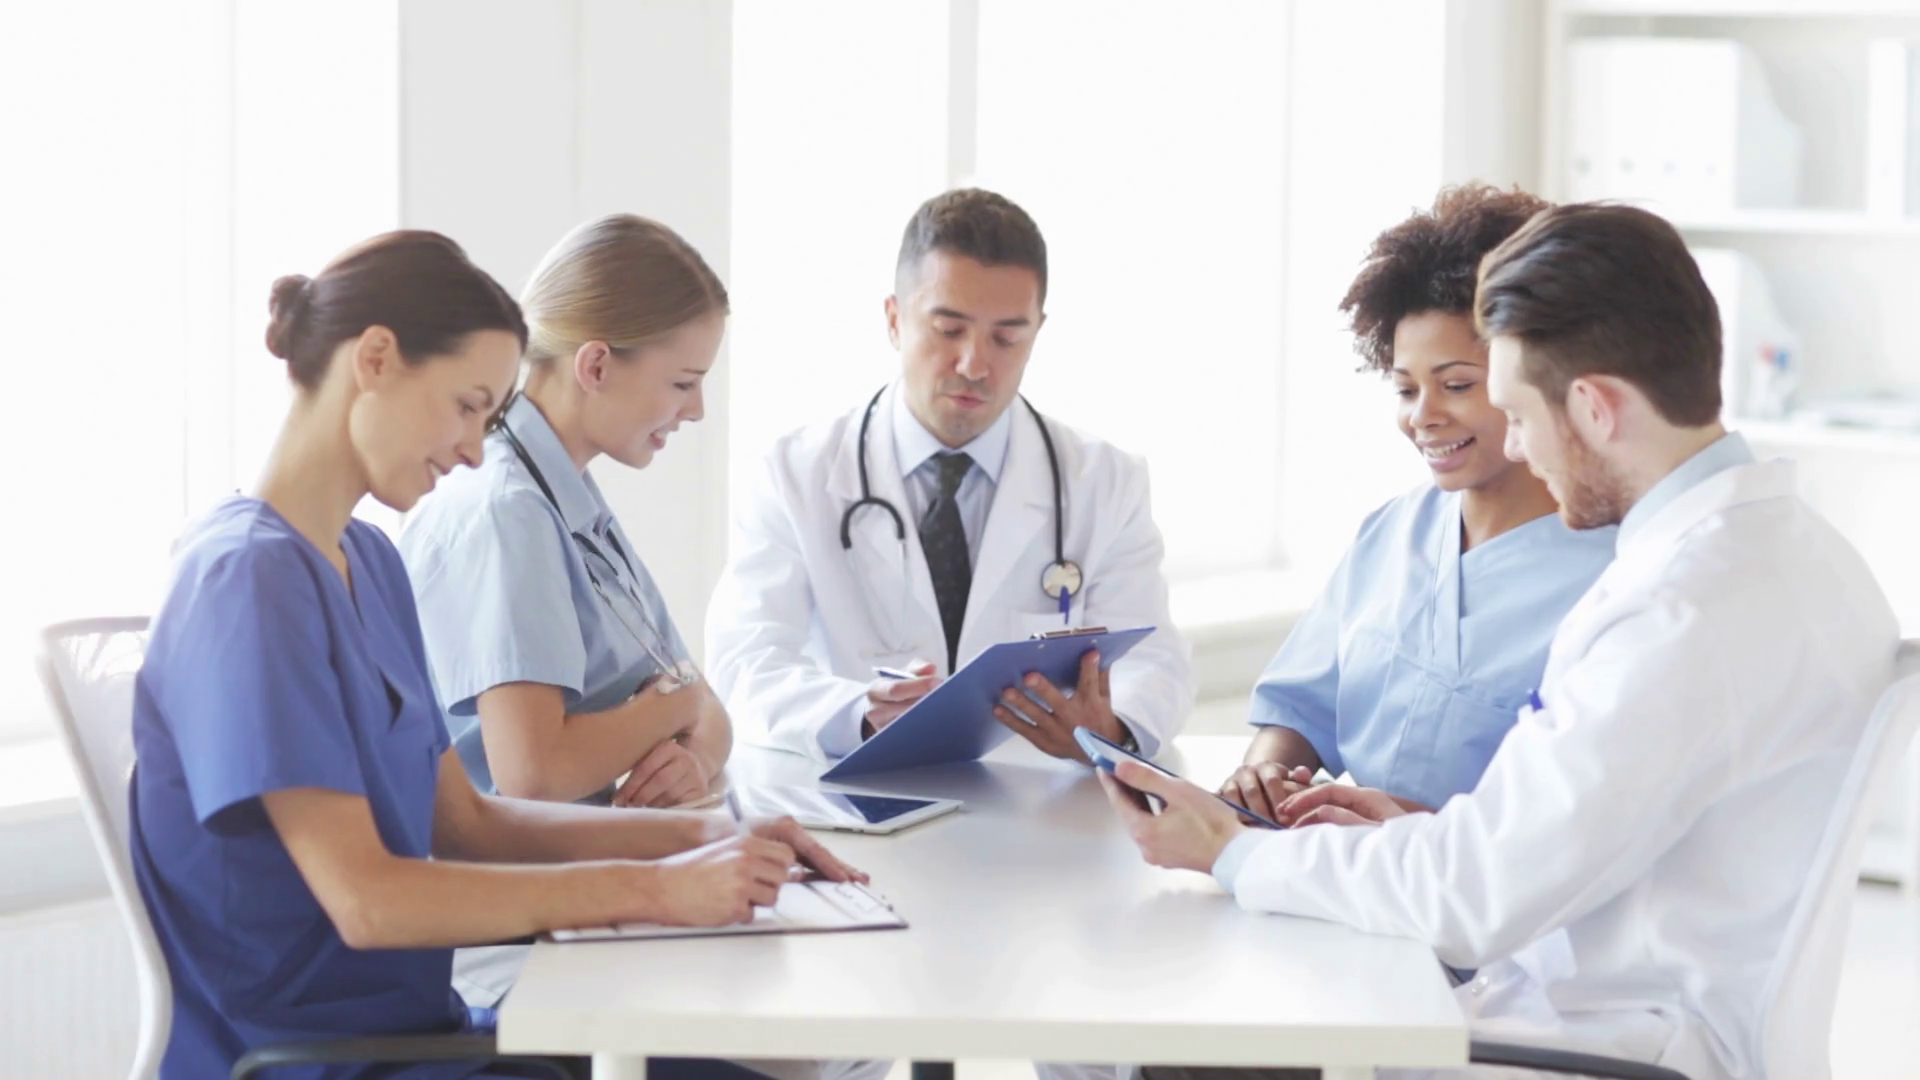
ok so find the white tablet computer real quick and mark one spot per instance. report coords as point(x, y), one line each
point(842, 811)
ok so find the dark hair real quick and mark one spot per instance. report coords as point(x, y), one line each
point(418, 284)
point(981, 225)
point(1604, 289)
point(1429, 262)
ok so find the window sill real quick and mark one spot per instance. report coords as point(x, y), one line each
point(1236, 622)
point(36, 782)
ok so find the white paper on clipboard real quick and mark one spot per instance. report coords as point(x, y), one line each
point(803, 907)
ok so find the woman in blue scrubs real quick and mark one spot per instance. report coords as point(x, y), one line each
point(1412, 665)
point(306, 843)
point(562, 673)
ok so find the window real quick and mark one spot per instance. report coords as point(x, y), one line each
point(1149, 145)
point(839, 131)
point(193, 152)
point(1147, 142)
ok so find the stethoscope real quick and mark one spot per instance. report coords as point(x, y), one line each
point(674, 674)
point(1061, 580)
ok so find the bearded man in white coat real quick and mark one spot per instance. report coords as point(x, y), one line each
point(1623, 875)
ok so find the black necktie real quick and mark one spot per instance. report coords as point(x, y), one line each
point(945, 541)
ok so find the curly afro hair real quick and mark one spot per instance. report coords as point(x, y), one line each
point(1430, 262)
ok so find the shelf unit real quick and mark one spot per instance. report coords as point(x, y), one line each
point(1846, 281)
point(1787, 435)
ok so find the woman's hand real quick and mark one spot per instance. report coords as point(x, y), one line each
point(670, 775)
point(1338, 804)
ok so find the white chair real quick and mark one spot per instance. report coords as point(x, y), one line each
point(1795, 1028)
point(88, 669)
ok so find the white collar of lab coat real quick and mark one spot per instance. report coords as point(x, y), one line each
point(1724, 490)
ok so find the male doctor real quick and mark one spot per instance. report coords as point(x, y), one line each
point(929, 523)
point(1624, 872)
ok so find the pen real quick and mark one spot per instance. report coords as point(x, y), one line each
point(733, 809)
point(895, 673)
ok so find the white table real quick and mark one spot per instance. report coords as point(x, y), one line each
point(1037, 933)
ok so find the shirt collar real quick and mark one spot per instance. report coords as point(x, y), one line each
point(1717, 456)
point(913, 444)
point(579, 502)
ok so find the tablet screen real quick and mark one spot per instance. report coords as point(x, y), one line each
point(825, 808)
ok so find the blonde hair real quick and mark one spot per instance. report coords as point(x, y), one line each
point(624, 280)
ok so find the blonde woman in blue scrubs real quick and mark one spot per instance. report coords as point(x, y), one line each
point(563, 676)
point(1412, 665)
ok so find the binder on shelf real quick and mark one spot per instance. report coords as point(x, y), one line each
point(1760, 360)
point(1686, 124)
point(1893, 113)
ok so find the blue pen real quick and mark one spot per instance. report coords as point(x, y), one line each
point(1534, 702)
point(895, 673)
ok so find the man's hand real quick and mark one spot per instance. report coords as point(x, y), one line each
point(1262, 788)
point(888, 698)
point(1188, 833)
point(1049, 725)
point(670, 775)
point(811, 853)
point(1338, 804)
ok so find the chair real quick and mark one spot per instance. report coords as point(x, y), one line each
point(88, 669)
point(1797, 1021)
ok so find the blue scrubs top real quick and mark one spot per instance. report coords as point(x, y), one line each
point(1413, 664)
point(504, 590)
point(263, 673)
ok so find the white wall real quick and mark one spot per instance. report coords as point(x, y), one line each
point(523, 118)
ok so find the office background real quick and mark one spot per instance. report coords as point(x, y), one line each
point(1207, 175)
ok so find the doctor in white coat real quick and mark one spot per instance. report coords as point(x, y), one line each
point(942, 516)
point(1623, 874)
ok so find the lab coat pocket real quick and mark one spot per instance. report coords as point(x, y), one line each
point(1027, 624)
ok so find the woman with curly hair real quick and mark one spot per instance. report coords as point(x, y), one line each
point(1411, 666)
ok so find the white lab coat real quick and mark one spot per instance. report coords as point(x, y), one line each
point(1624, 872)
point(798, 623)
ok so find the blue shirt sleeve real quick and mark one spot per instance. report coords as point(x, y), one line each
point(495, 601)
point(253, 703)
point(1301, 686)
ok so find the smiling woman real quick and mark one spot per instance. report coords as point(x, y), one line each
point(1413, 664)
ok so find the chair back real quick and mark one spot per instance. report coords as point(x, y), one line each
point(1803, 985)
point(88, 669)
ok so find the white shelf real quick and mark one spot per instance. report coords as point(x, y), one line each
point(1737, 9)
point(1796, 223)
point(1787, 435)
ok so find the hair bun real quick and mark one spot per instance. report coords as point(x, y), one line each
point(287, 308)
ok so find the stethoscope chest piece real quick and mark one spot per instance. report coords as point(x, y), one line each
point(1061, 579)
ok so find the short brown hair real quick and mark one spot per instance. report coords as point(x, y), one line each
point(981, 225)
point(622, 279)
point(1429, 262)
point(1605, 289)
point(418, 284)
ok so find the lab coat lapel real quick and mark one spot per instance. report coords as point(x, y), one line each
point(877, 551)
point(1016, 522)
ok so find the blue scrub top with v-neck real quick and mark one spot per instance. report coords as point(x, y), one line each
point(1413, 664)
point(265, 672)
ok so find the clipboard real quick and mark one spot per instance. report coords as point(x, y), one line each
point(955, 723)
point(816, 906)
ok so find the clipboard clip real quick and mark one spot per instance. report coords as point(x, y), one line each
point(1079, 631)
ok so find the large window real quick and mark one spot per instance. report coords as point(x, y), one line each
point(839, 131)
point(189, 152)
point(1148, 143)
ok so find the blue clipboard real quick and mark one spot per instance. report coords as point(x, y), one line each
point(955, 722)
